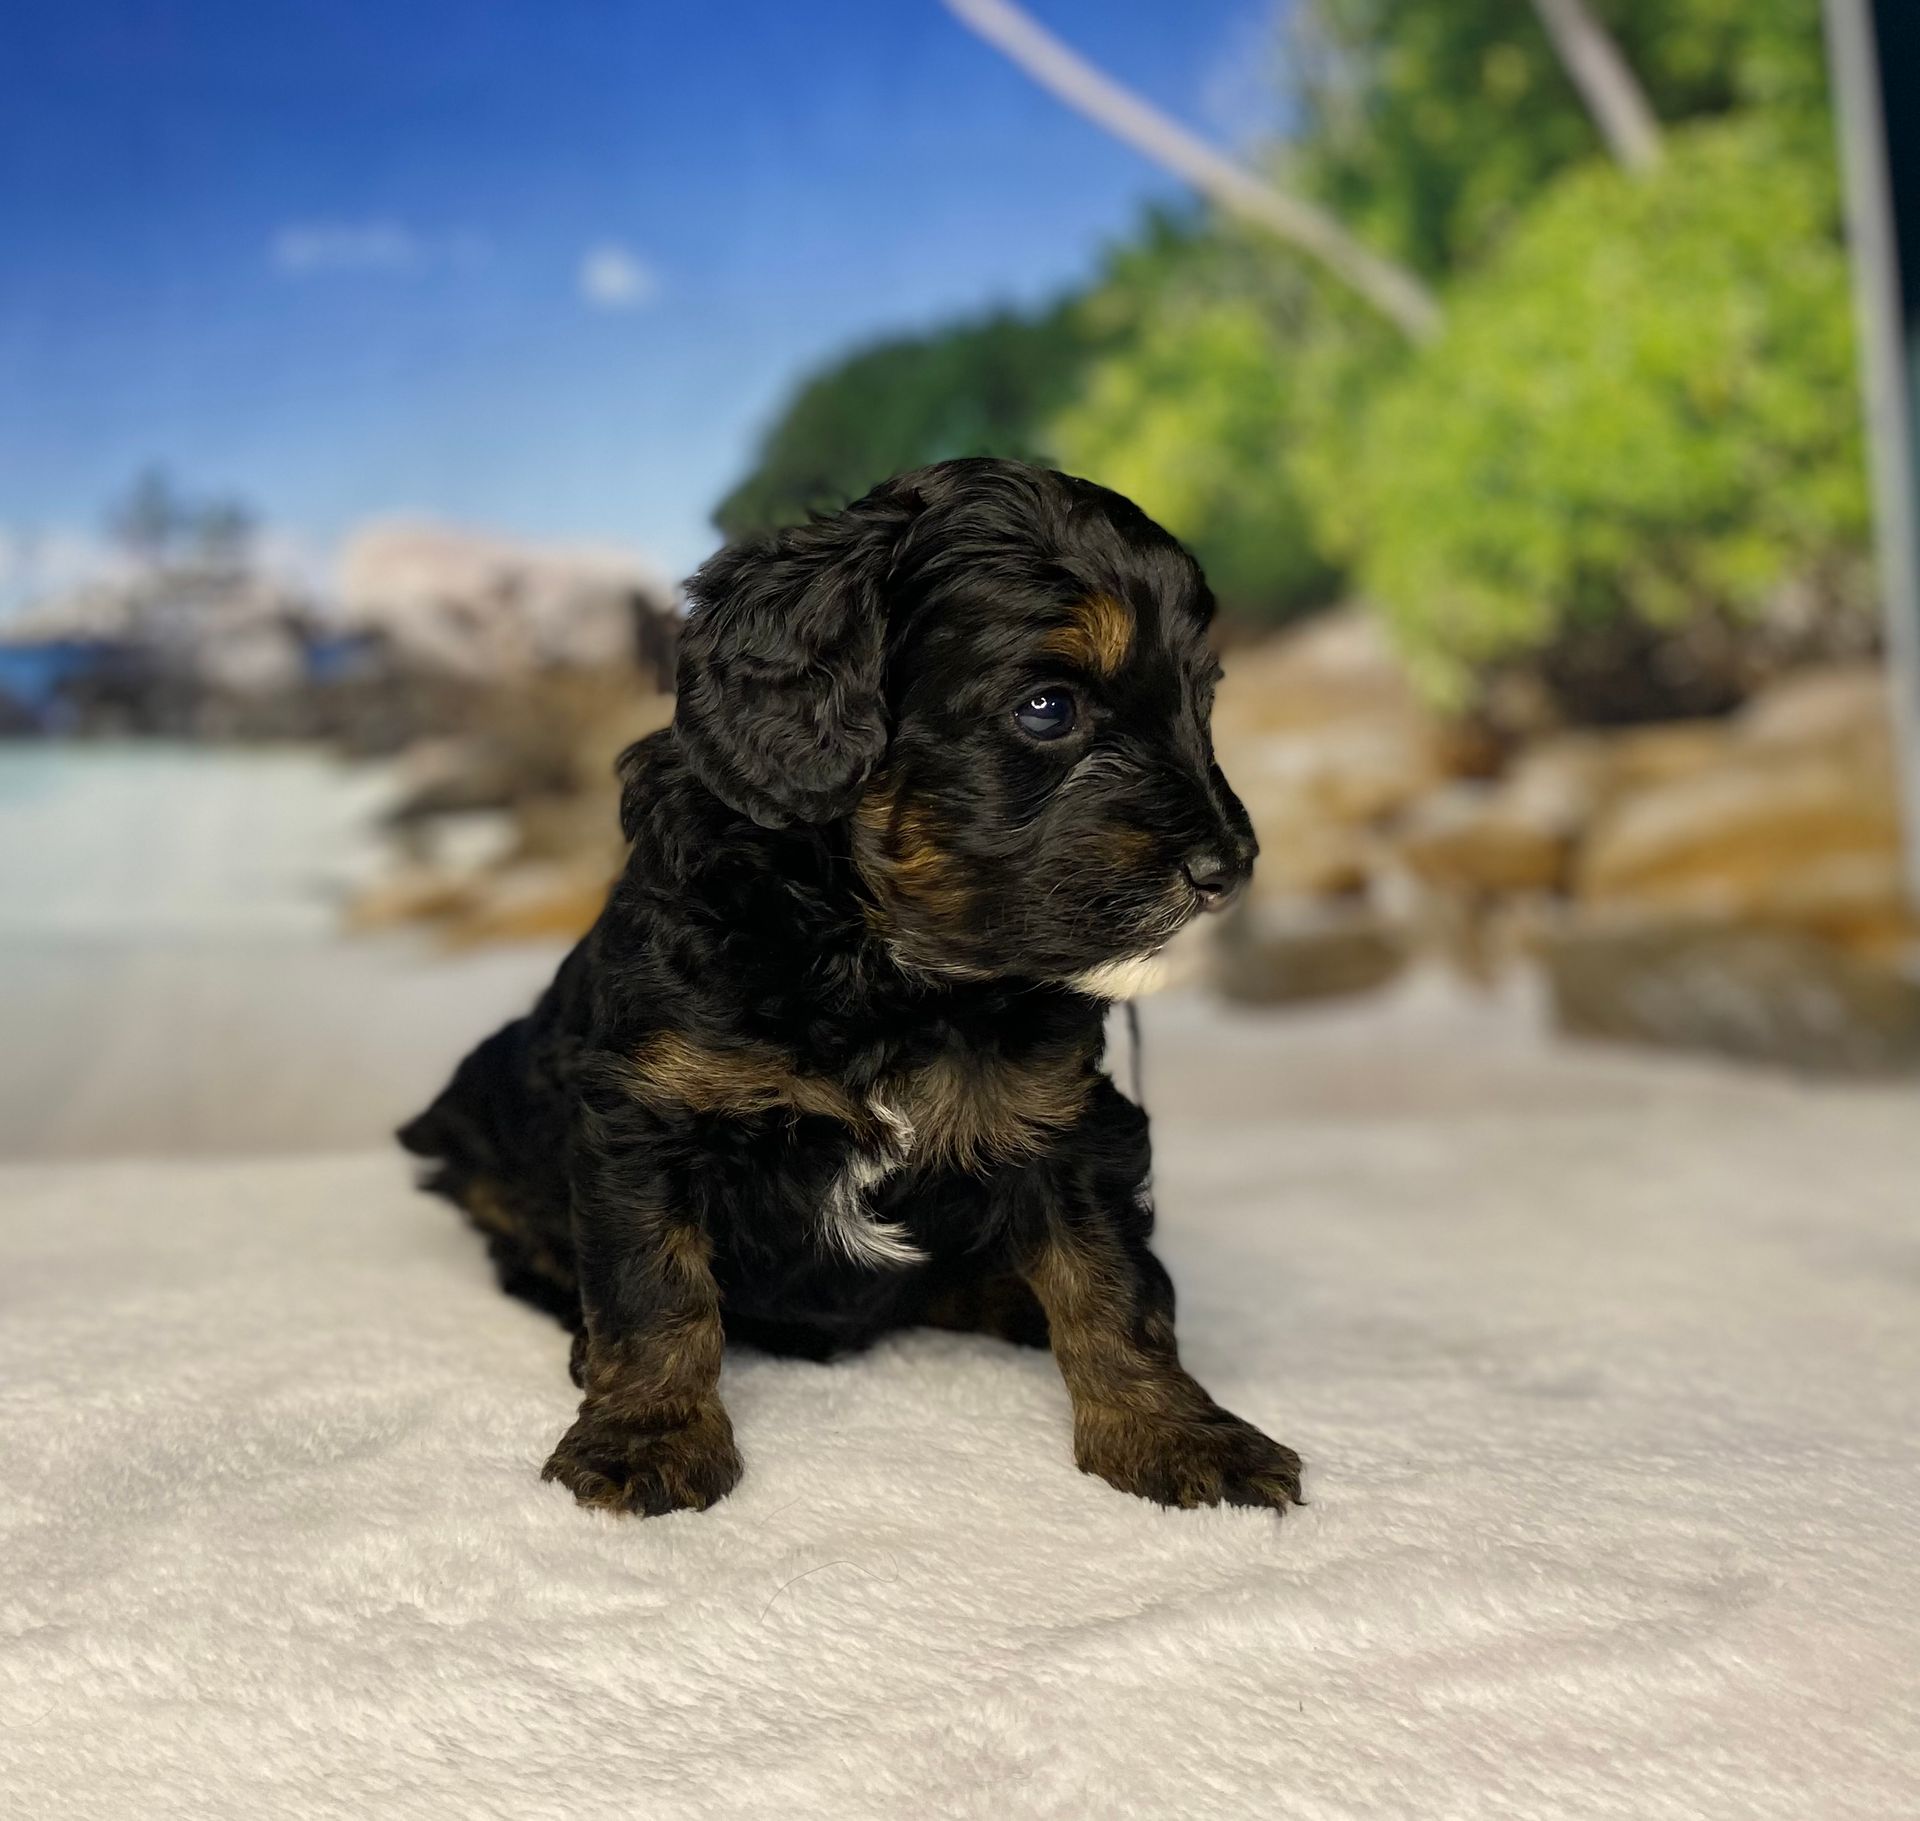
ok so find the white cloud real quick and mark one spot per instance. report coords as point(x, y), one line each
point(611, 278)
point(338, 246)
point(307, 249)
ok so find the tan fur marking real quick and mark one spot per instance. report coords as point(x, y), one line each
point(652, 1434)
point(673, 1070)
point(922, 868)
point(1140, 1420)
point(1125, 848)
point(917, 867)
point(488, 1209)
point(1110, 1361)
point(665, 1373)
point(968, 1110)
point(491, 1208)
point(962, 1110)
point(1098, 636)
point(1002, 1304)
point(917, 885)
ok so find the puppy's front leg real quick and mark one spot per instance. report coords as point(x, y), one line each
point(1141, 1421)
point(652, 1435)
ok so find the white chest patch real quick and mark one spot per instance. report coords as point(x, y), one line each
point(846, 1217)
point(1129, 978)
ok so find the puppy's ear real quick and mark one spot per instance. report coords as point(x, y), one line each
point(631, 769)
point(780, 711)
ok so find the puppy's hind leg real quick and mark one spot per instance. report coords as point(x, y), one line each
point(995, 1302)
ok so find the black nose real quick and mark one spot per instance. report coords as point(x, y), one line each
point(1215, 874)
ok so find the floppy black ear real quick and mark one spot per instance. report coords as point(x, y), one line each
point(779, 710)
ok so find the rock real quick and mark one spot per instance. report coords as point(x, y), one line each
point(1330, 668)
point(1305, 855)
point(183, 651)
point(1761, 995)
point(1859, 901)
point(1519, 835)
point(1785, 835)
point(530, 902)
point(1636, 757)
point(1325, 718)
point(1323, 737)
point(467, 603)
point(412, 893)
point(1485, 840)
point(511, 831)
point(464, 773)
point(1267, 957)
point(1563, 779)
point(1817, 707)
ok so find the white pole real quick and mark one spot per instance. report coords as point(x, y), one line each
point(1606, 82)
point(1890, 368)
point(1063, 72)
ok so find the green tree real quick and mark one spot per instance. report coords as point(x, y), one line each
point(985, 387)
point(1430, 126)
point(1643, 412)
point(1218, 346)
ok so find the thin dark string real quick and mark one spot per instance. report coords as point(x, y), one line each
point(1133, 1038)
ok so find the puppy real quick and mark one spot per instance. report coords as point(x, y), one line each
point(939, 786)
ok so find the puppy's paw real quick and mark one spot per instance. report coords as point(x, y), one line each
point(619, 1463)
point(1208, 1459)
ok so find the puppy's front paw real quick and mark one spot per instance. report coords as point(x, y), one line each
point(1208, 1459)
point(618, 1463)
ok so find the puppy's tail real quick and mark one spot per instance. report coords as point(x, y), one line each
point(474, 1123)
point(494, 1151)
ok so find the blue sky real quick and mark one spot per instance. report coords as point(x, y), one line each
point(544, 265)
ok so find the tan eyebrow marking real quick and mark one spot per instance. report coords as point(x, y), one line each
point(1098, 636)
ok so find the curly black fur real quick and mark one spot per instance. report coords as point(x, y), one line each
point(830, 1061)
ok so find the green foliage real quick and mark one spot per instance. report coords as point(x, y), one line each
point(1217, 348)
point(978, 388)
point(1644, 408)
point(1429, 126)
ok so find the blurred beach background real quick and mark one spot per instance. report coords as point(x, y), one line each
point(1535, 1148)
point(368, 377)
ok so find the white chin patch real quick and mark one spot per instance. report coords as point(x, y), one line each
point(1130, 978)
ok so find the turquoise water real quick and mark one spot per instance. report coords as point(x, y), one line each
point(35, 768)
point(140, 837)
point(43, 768)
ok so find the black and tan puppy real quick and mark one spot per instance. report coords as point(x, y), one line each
point(939, 786)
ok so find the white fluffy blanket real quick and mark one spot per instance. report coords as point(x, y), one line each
point(1608, 1398)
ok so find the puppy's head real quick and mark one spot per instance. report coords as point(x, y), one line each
point(998, 677)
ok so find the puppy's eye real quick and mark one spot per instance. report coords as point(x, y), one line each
point(1046, 714)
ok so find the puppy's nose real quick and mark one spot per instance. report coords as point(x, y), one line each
point(1215, 874)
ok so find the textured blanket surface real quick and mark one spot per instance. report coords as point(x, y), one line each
point(1606, 1379)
